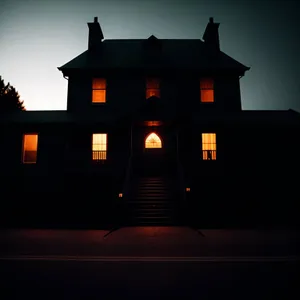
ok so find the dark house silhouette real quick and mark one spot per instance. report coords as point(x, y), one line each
point(154, 133)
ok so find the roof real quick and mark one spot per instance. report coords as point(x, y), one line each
point(192, 54)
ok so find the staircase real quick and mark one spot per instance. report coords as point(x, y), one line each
point(152, 201)
point(153, 193)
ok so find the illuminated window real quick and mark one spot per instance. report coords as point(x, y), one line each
point(99, 90)
point(209, 146)
point(152, 88)
point(207, 90)
point(99, 146)
point(30, 144)
point(153, 141)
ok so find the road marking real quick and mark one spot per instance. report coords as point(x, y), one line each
point(152, 259)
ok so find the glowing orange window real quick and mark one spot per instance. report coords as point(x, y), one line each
point(153, 141)
point(209, 146)
point(30, 145)
point(99, 90)
point(207, 90)
point(152, 88)
point(99, 146)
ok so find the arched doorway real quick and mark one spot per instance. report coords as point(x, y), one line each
point(153, 141)
point(153, 157)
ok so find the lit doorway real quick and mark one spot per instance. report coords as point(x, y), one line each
point(153, 141)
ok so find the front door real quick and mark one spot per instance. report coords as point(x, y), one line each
point(153, 149)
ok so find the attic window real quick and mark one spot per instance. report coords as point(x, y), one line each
point(152, 88)
point(207, 90)
point(99, 90)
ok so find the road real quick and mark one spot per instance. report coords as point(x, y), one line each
point(149, 263)
point(91, 279)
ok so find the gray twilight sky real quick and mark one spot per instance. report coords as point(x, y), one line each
point(37, 36)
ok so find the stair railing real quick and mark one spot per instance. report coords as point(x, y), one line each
point(125, 194)
point(181, 181)
point(181, 178)
point(125, 189)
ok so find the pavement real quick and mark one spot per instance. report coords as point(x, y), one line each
point(146, 243)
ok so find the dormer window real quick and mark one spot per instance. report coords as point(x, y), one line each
point(99, 90)
point(207, 90)
point(152, 88)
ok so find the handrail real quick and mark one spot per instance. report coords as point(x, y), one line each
point(181, 178)
point(125, 188)
point(182, 201)
point(180, 171)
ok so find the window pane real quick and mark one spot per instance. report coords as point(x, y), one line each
point(153, 141)
point(30, 143)
point(209, 146)
point(207, 95)
point(99, 155)
point(99, 146)
point(99, 83)
point(152, 92)
point(206, 83)
point(30, 156)
point(99, 138)
point(99, 96)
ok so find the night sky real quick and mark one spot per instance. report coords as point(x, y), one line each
point(38, 36)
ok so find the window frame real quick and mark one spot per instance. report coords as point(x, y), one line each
point(97, 161)
point(99, 89)
point(212, 150)
point(207, 89)
point(23, 148)
point(159, 138)
point(158, 82)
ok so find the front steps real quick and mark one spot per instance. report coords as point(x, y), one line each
point(152, 201)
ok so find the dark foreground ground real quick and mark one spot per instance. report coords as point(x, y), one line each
point(149, 263)
point(148, 280)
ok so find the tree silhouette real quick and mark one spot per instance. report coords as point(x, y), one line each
point(9, 98)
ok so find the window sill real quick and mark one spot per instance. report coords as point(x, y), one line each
point(99, 162)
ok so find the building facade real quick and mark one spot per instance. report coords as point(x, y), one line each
point(154, 134)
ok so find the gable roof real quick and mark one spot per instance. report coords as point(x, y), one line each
point(192, 54)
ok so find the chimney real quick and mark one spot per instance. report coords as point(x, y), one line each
point(211, 34)
point(95, 35)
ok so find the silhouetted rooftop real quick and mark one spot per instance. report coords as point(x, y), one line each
point(174, 53)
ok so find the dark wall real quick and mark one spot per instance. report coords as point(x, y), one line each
point(65, 184)
point(179, 91)
point(253, 180)
point(252, 183)
point(227, 92)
